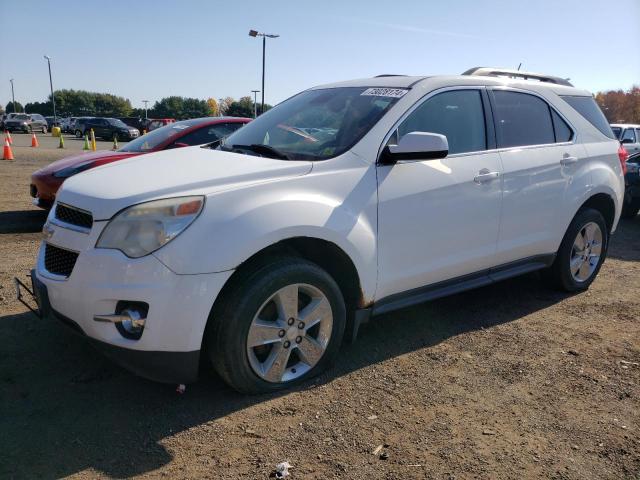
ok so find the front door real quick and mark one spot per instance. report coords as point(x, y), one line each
point(439, 219)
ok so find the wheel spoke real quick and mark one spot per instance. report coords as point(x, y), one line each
point(287, 302)
point(263, 333)
point(596, 249)
point(310, 351)
point(318, 310)
point(585, 271)
point(274, 366)
point(590, 232)
point(576, 264)
point(579, 243)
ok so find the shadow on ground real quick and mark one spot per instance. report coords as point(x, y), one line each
point(65, 408)
point(22, 221)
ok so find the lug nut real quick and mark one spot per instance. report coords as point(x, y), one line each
point(301, 325)
point(290, 321)
point(298, 339)
point(281, 333)
point(286, 344)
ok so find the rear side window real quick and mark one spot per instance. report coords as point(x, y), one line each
point(562, 130)
point(522, 119)
point(457, 114)
point(588, 108)
point(628, 135)
point(616, 131)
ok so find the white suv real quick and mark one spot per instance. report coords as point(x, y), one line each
point(258, 256)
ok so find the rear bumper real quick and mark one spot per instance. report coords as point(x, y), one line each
point(159, 366)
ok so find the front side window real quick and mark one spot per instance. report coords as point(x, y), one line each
point(522, 119)
point(456, 114)
point(315, 124)
point(209, 134)
point(629, 135)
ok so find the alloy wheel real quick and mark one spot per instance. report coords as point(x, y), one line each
point(586, 252)
point(290, 333)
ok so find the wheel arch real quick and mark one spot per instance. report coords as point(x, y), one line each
point(603, 203)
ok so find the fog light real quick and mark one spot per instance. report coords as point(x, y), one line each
point(129, 319)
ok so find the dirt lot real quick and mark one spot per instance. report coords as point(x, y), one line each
point(509, 381)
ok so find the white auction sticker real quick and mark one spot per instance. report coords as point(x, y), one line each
point(384, 92)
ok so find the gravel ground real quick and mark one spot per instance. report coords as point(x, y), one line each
point(509, 381)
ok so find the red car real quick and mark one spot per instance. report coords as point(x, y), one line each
point(198, 131)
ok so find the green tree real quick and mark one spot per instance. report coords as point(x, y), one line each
point(180, 108)
point(9, 108)
point(241, 108)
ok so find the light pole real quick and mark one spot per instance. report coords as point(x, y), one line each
point(255, 33)
point(145, 108)
point(220, 107)
point(53, 98)
point(255, 103)
point(13, 97)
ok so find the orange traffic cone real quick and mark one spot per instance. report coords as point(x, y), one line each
point(9, 137)
point(34, 140)
point(7, 154)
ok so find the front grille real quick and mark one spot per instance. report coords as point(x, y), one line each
point(74, 216)
point(58, 260)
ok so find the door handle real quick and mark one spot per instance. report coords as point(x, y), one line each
point(485, 176)
point(568, 160)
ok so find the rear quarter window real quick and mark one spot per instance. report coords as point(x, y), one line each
point(588, 108)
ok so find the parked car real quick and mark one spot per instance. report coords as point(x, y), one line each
point(135, 122)
point(46, 181)
point(67, 124)
point(629, 136)
point(631, 205)
point(26, 122)
point(79, 126)
point(159, 122)
point(344, 201)
point(109, 128)
point(51, 122)
point(6, 116)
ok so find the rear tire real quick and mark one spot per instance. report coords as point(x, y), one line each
point(581, 253)
point(257, 339)
point(78, 134)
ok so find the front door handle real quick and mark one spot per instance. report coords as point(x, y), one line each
point(568, 160)
point(485, 176)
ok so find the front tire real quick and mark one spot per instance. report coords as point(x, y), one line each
point(278, 324)
point(582, 252)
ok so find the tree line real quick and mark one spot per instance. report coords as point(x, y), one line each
point(78, 103)
point(620, 106)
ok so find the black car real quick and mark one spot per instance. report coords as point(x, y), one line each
point(107, 128)
point(136, 122)
point(631, 205)
point(26, 122)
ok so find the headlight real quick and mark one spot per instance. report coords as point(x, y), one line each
point(142, 229)
point(633, 167)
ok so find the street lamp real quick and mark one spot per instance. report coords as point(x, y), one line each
point(53, 98)
point(13, 97)
point(145, 108)
point(255, 102)
point(255, 33)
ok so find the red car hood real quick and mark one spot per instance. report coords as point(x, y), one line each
point(100, 157)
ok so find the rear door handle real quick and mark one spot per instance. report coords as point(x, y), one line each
point(568, 160)
point(485, 176)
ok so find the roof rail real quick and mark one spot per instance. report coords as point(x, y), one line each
point(389, 75)
point(503, 72)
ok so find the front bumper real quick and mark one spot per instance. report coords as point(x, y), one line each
point(179, 305)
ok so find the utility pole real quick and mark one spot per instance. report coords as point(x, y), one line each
point(255, 103)
point(53, 98)
point(255, 33)
point(145, 108)
point(13, 97)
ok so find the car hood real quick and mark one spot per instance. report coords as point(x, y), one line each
point(171, 173)
point(76, 160)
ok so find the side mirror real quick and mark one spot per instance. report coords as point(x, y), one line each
point(416, 146)
point(627, 140)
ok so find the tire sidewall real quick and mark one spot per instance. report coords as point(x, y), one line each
point(564, 255)
point(230, 356)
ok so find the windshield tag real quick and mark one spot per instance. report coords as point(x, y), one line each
point(384, 92)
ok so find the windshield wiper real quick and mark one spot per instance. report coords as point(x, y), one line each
point(262, 149)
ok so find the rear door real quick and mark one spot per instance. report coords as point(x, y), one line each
point(539, 158)
point(631, 139)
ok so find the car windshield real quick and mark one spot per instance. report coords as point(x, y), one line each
point(154, 138)
point(21, 117)
point(116, 123)
point(315, 124)
point(617, 131)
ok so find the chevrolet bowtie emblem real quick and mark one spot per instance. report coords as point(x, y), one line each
point(47, 231)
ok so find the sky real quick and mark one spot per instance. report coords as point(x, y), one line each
point(144, 49)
